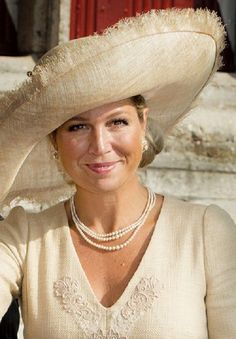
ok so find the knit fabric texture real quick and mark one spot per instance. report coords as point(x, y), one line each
point(184, 286)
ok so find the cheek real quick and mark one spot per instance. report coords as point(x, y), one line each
point(130, 143)
point(70, 147)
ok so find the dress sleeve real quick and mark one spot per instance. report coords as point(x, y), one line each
point(220, 265)
point(13, 244)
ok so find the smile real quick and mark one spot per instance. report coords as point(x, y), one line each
point(102, 167)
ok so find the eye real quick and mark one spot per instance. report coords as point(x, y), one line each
point(120, 122)
point(77, 127)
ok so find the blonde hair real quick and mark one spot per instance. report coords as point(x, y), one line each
point(155, 142)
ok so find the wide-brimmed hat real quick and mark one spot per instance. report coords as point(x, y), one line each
point(167, 56)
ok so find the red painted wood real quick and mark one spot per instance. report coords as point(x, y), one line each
point(138, 6)
point(183, 3)
point(91, 17)
point(88, 16)
point(81, 10)
point(128, 8)
point(157, 4)
point(109, 12)
point(147, 5)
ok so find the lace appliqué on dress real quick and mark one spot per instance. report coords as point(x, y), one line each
point(109, 335)
point(142, 299)
point(73, 302)
point(88, 318)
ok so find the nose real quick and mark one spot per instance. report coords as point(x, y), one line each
point(99, 142)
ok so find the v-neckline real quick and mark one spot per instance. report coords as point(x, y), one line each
point(135, 278)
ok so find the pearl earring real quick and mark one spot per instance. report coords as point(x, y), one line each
point(55, 155)
point(144, 145)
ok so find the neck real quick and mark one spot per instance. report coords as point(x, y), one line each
point(105, 212)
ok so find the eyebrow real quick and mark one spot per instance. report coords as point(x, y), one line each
point(86, 119)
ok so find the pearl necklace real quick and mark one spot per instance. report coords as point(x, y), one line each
point(83, 229)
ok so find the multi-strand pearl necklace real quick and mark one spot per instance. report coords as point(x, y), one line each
point(84, 230)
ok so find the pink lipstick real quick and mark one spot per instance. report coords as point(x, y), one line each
point(102, 167)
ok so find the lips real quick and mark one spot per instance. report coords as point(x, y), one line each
point(102, 167)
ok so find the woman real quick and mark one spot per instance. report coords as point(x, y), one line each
point(105, 257)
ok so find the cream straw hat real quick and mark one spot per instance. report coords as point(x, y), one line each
point(167, 56)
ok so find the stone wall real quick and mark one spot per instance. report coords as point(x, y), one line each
point(199, 160)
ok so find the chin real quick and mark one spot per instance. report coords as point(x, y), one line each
point(103, 185)
point(108, 185)
point(107, 182)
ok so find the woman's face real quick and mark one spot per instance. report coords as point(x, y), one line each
point(101, 148)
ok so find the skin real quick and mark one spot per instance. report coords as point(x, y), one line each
point(101, 150)
point(111, 133)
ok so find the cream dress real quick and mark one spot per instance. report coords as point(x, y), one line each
point(184, 286)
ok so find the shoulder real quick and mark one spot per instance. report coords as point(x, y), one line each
point(15, 225)
point(219, 230)
point(13, 237)
point(183, 212)
point(217, 218)
point(186, 209)
point(23, 223)
point(208, 219)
